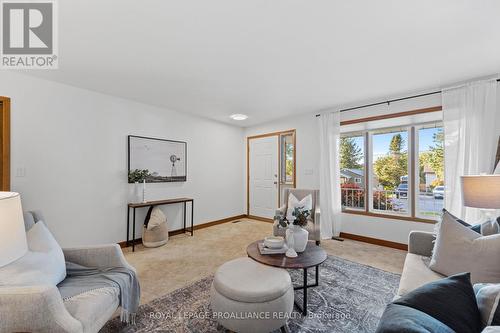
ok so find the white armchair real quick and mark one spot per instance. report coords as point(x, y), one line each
point(41, 309)
point(314, 220)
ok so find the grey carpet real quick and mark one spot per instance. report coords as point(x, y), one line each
point(350, 298)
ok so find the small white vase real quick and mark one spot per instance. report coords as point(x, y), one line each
point(300, 237)
point(137, 193)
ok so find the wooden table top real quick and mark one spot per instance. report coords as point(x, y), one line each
point(159, 202)
point(312, 256)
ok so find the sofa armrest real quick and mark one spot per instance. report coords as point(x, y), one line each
point(421, 243)
point(99, 256)
point(35, 309)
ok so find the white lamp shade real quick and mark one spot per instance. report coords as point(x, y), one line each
point(13, 244)
point(481, 191)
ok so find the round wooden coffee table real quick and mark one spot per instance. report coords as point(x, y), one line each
point(313, 256)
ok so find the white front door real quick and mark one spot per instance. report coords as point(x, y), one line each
point(263, 176)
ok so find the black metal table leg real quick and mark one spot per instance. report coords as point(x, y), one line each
point(192, 218)
point(304, 299)
point(184, 216)
point(133, 232)
point(304, 287)
point(128, 225)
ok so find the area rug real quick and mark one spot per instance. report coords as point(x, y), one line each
point(350, 298)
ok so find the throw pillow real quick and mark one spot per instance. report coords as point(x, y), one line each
point(459, 249)
point(486, 228)
point(43, 264)
point(450, 300)
point(488, 296)
point(402, 319)
point(293, 203)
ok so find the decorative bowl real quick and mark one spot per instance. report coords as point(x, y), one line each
point(274, 242)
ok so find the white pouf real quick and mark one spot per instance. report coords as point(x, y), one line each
point(247, 296)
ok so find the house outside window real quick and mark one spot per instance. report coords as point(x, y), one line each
point(405, 168)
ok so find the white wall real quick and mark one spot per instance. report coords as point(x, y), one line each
point(72, 144)
point(308, 163)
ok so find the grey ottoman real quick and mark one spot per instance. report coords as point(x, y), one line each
point(247, 296)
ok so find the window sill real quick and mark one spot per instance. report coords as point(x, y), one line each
point(389, 216)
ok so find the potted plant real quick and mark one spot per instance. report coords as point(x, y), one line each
point(296, 229)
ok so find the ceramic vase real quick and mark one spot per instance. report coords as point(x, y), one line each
point(137, 193)
point(290, 243)
point(300, 238)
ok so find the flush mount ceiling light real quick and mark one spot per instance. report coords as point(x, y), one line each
point(238, 116)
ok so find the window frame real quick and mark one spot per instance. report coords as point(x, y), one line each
point(365, 161)
point(282, 158)
point(413, 175)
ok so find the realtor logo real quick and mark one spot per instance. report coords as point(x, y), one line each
point(28, 35)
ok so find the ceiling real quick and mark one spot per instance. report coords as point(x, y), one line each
point(269, 59)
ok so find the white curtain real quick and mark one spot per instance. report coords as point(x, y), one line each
point(329, 174)
point(471, 128)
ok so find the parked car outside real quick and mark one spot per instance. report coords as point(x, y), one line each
point(402, 191)
point(438, 192)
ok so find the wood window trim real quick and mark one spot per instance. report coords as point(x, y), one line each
point(5, 143)
point(388, 216)
point(278, 134)
point(392, 115)
point(412, 160)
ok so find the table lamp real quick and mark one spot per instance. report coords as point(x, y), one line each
point(13, 244)
point(482, 192)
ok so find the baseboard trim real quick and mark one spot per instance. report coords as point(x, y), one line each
point(196, 227)
point(258, 218)
point(375, 241)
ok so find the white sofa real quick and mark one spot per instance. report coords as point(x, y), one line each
point(416, 271)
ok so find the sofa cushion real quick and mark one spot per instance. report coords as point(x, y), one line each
point(416, 273)
point(488, 297)
point(43, 263)
point(459, 249)
point(246, 280)
point(93, 308)
point(450, 300)
point(403, 319)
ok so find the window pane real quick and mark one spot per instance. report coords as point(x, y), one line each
point(287, 165)
point(352, 171)
point(431, 172)
point(390, 172)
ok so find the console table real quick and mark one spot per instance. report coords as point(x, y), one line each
point(134, 206)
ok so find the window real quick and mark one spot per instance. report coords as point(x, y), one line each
point(405, 168)
point(287, 155)
point(389, 171)
point(430, 164)
point(352, 171)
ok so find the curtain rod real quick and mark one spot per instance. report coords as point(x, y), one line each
point(391, 101)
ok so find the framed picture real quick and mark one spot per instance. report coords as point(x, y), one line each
point(157, 160)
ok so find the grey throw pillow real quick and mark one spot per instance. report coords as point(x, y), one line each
point(487, 296)
point(43, 263)
point(459, 249)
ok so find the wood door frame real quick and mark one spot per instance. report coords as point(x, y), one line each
point(5, 143)
point(278, 134)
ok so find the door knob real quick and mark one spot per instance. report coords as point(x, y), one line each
point(275, 183)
